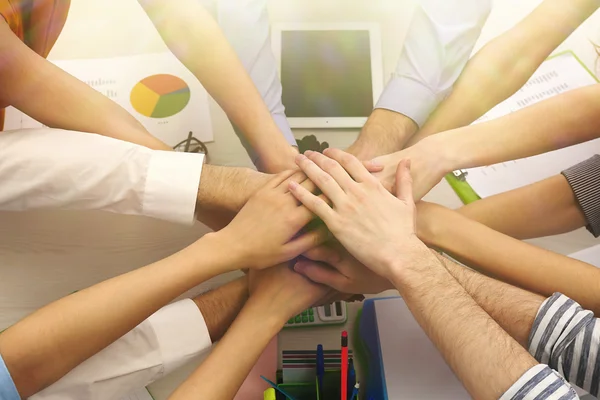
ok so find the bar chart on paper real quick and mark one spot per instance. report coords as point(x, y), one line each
point(160, 96)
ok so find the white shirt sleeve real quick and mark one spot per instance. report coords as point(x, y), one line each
point(51, 168)
point(439, 42)
point(245, 24)
point(168, 339)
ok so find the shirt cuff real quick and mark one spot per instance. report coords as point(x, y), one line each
point(584, 179)
point(181, 333)
point(409, 97)
point(172, 185)
point(557, 324)
point(540, 382)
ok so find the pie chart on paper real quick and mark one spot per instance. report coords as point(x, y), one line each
point(160, 96)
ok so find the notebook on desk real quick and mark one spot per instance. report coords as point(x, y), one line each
point(559, 74)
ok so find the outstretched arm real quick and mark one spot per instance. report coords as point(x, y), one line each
point(118, 176)
point(175, 334)
point(508, 259)
point(114, 307)
point(523, 213)
point(43, 91)
point(67, 103)
point(451, 318)
point(279, 293)
point(570, 198)
point(223, 191)
point(438, 44)
point(246, 26)
point(514, 56)
point(561, 121)
point(111, 308)
point(196, 39)
point(513, 308)
point(460, 328)
point(556, 331)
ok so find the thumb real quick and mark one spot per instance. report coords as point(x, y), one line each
point(305, 242)
point(403, 189)
point(324, 254)
point(319, 273)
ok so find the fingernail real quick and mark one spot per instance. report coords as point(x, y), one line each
point(326, 151)
point(299, 266)
point(375, 164)
point(293, 185)
point(308, 152)
point(300, 157)
point(408, 164)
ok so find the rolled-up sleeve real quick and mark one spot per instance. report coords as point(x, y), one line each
point(168, 339)
point(567, 338)
point(540, 383)
point(584, 179)
point(50, 168)
point(439, 42)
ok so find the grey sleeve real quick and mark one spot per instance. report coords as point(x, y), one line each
point(584, 179)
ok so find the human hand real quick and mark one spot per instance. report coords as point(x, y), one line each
point(284, 292)
point(429, 165)
point(332, 265)
point(372, 142)
point(376, 227)
point(264, 233)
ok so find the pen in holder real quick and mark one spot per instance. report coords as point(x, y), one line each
point(308, 390)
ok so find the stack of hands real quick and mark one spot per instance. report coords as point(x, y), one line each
point(295, 261)
point(310, 236)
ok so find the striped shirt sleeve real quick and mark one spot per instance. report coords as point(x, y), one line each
point(567, 338)
point(540, 383)
point(584, 179)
